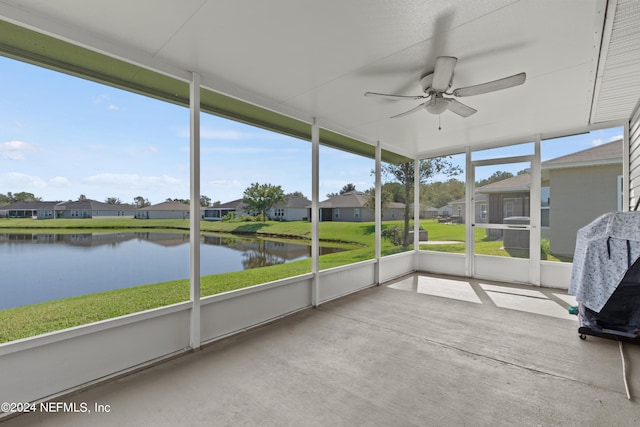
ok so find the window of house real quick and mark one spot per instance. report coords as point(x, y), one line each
point(356, 213)
point(336, 213)
point(545, 201)
point(508, 209)
point(483, 211)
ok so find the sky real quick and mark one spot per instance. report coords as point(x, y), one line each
point(61, 136)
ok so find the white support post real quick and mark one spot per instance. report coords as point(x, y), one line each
point(315, 213)
point(194, 211)
point(469, 218)
point(378, 212)
point(535, 216)
point(416, 206)
point(626, 162)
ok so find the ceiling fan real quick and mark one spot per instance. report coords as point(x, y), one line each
point(436, 84)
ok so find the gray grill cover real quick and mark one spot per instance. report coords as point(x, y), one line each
point(605, 249)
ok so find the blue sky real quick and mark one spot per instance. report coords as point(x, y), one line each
point(61, 136)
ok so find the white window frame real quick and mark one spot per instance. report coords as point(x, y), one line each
point(507, 204)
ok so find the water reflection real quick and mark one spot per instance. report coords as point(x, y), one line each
point(44, 266)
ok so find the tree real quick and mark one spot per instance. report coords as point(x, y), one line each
point(113, 201)
point(497, 176)
point(18, 197)
point(183, 201)
point(205, 201)
point(261, 197)
point(347, 187)
point(82, 197)
point(438, 194)
point(395, 190)
point(370, 204)
point(403, 173)
point(141, 202)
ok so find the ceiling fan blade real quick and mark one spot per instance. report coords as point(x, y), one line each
point(396, 97)
point(460, 109)
point(406, 113)
point(493, 86)
point(443, 73)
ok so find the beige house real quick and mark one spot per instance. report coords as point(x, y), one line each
point(506, 198)
point(582, 186)
point(293, 208)
point(89, 209)
point(164, 210)
point(32, 209)
point(456, 210)
point(576, 188)
point(216, 213)
point(352, 207)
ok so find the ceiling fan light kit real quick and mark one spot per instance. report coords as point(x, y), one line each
point(436, 84)
point(437, 105)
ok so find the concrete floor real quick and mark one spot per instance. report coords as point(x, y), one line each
point(422, 351)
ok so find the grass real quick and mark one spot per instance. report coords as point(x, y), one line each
point(35, 319)
point(483, 244)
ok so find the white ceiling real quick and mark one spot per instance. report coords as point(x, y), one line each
point(311, 58)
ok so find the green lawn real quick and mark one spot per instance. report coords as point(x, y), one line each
point(358, 238)
point(483, 244)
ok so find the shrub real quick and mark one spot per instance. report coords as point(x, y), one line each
point(394, 234)
point(230, 217)
point(545, 248)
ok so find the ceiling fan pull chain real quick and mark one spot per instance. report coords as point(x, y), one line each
point(439, 116)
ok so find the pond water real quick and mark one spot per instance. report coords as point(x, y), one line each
point(43, 267)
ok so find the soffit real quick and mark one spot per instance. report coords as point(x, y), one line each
point(618, 83)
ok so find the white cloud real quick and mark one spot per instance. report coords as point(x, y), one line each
point(59, 181)
point(236, 150)
point(131, 181)
point(21, 181)
point(225, 183)
point(599, 141)
point(151, 149)
point(101, 99)
point(15, 150)
point(222, 134)
point(98, 99)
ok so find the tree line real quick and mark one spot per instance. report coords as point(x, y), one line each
point(398, 189)
point(138, 201)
